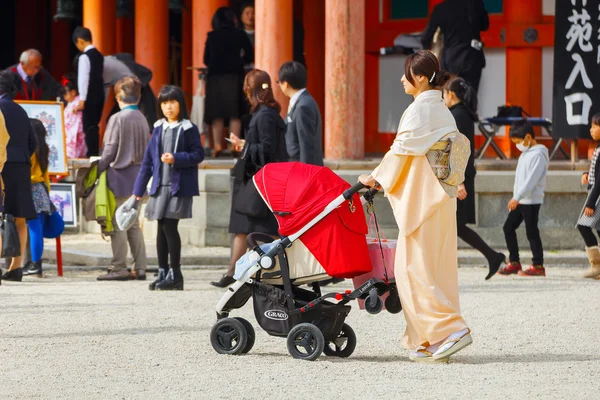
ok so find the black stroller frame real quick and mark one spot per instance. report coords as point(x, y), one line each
point(311, 323)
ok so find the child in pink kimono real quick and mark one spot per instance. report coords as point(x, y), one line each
point(76, 147)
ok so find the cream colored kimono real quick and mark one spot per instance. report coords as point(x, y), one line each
point(426, 265)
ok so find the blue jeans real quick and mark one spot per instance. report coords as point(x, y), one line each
point(36, 237)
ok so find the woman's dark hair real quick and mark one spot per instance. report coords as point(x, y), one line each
point(224, 18)
point(171, 92)
point(42, 152)
point(520, 129)
point(596, 119)
point(258, 90)
point(465, 94)
point(425, 63)
point(9, 83)
point(245, 5)
point(294, 74)
point(82, 33)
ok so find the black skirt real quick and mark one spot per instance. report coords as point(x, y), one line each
point(18, 197)
point(223, 97)
point(239, 223)
point(465, 209)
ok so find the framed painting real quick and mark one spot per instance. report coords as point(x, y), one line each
point(62, 195)
point(51, 115)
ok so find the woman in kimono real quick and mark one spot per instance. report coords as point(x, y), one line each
point(426, 264)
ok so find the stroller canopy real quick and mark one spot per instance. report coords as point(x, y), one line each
point(303, 191)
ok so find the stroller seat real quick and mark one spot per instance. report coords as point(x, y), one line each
point(303, 265)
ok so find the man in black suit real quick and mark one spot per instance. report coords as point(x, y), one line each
point(304, 126)
point(461, 23)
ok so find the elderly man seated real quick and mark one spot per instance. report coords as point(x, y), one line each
point(35, 83)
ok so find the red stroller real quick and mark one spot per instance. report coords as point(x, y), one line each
point(323, 234)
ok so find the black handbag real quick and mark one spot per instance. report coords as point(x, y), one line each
point(246, 199)
point(11, 244)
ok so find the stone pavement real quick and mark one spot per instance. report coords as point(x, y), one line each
point(91, 252)
point(75, 338)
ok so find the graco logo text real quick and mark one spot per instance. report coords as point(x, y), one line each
point(276, 315)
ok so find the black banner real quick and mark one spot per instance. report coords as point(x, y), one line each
point(576, 67)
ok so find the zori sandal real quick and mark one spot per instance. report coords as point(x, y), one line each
point(421, 354)
point(453, 345)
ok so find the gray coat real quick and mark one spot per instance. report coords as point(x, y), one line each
point(304, 131)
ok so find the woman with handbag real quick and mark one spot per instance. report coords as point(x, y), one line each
point(171, 160)
point(40, 187)
point(422, 187)
point(18, 199)
point(461, 100)
point(264, 143)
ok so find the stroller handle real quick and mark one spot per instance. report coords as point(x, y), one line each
point(370, 195)
point(358, 187)
point(348, 193)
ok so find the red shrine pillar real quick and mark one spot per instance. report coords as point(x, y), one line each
point(186, 52)
point(314, 49)
point(274, 41)
point(344, 79)
point(100, 17)
point(523, 65)
point(152, 39)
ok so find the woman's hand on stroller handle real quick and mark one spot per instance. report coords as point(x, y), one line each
point(369, 181)
point(363, 183)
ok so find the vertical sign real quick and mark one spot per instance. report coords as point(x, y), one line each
point(576, 67)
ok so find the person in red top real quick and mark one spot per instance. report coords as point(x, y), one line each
point(35, 83)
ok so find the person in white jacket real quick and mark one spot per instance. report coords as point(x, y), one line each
point(528, 196)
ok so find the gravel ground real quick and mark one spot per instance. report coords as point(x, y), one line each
point(77, 338)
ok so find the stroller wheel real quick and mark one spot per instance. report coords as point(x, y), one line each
point(373, 304)
point(250, 332)
point(343, 345)
point(306, 342)
point(392, 303)
point(229, 336)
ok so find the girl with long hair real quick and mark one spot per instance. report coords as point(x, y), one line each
point(264, 143)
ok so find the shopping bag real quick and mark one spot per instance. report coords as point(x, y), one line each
point(54, 225)
point(127, 214)
point(11, 244)
point(383, 264)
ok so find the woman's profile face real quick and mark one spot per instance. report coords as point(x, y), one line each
point(170, 109)
point(408, 87)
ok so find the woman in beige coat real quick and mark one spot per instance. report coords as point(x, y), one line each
point(426, 265)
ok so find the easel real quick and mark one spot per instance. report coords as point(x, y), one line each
point(59, 264)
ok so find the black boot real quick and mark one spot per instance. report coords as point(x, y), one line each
point(494, 265)
point(161, 275)
point(33, 268)
point(173, 281)
point(225, 281)
point(16, 275)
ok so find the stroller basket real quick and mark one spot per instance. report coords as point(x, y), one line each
point(273, 316)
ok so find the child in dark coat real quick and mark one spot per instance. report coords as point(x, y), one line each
point(171, 160)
